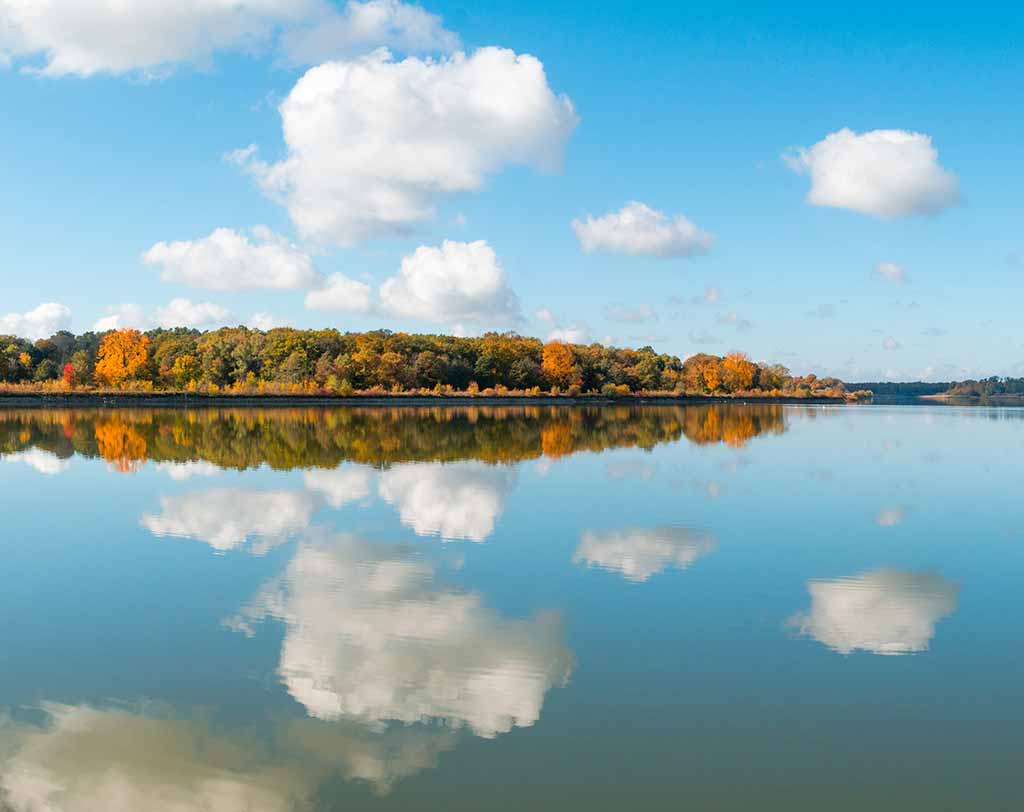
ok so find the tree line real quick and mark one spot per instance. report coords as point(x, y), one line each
point(286, 360)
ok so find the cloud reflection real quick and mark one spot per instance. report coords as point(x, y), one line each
point(884, 612)
point(342, 485)
point(637, 554)
point(225, 518)
point(45, 462)
point(454, 501)
point(370, 637)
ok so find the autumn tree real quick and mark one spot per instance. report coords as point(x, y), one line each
point(558, 364)
point(69, 376)
point(122, 354)
point(738, 372)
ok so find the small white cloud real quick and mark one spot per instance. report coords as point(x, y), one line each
point(121, 317)
point(883, 173)
point(340, 293)
point(262, 321)
point(40, 322)
point(883, 612)
point(373, 143)
point(183, 313)
point(890, 516)
point(181, 471)
point(891, 272)
point(638, 554)
point(733, 320)
point(711, 295)
point(637, 229)
point(573, 334)
point(891, 343)
point(228, 260)
point(545, 316)
point(456, 282)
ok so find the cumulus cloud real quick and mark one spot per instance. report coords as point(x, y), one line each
point(87, 37)
point(339, 486)
point(181, 471)
point(883, 173)
point(226, 518)
point(630, 315)
point(183, 313)
point(372, 143)
point(571, 334)
point(890, 272)
point(891, 343)
point(883, 612)
point(340, 293)
point(40, 322)
point(450, 500)
point(456, 282)
point(637, 553)
point(228, 260)
point(262, 321)
point(637, 229)
point(44, 462)
point(122, 316)
point(371, 637)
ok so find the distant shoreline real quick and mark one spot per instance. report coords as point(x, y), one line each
point(180, 400)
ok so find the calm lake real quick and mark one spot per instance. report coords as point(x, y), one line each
point(624, 608)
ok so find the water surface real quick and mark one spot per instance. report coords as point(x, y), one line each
point(716, 607)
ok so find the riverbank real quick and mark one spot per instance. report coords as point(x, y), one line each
point(194, 400)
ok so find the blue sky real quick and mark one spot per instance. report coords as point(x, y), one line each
point(895, 250)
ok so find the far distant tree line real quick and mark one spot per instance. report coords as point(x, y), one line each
point(286, 360)
point(987, 388)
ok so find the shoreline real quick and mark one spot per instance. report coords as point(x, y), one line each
point(179, 400)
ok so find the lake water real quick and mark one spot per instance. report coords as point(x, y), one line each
point(653, 608)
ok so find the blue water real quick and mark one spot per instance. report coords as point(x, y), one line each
point(722, 607)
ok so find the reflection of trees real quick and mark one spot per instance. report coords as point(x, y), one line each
point(732, 424)
point(325, 437)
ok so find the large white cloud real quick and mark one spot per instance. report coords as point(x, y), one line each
point(884, 173)
point(40, 322)
point(637, 554)
point(184, 313)
point(86, 37)
point(456, 282)
point(451, 500)
point(637, 229)
point(44, 462)
point(122, 316)
point(341, 293)
point(884, 612)
point(370, 637)
point(227, 260)
point(225, 518)
point(372, 142)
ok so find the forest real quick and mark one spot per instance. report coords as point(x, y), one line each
point(245, 361)
point(993, 387)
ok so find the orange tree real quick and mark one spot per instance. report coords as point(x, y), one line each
point(121, 356)
point(558, 364)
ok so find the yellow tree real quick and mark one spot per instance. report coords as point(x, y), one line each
point(121, 356)
point(558, 363)
point(738, 372)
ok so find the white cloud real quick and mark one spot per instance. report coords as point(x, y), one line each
point(891, 343)
point(450, 500)
point(712, 295)
point(340, 486)
point(226, 518)
point(121, 317)
point(637, 229)
point(372, 143)
point(87, 37)
point(631, 315)
point(262, 321)
point(340, 293)
point(40, 322)
point(370, 637)
point(891, 272)
point(456, 282)
point(884, 611)
point(363, 26)
point(638, 554)
point(227, 260)
point(884, 173)
point(183, 313)
point(44, 462)
point(733, 319)
point(544, 316)
point(572, 334)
